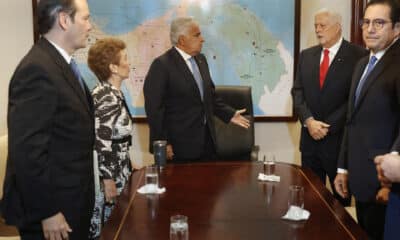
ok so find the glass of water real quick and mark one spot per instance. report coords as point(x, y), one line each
point(269, 164)
point(296, 199)
point(179, 228)
point(151, 178)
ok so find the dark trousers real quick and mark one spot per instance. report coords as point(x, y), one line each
point(208, 152)
point(371, 217)
point(314, 162)
point(392, 221)
point(31, 232)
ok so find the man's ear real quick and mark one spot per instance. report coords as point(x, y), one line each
point(397, 29)
point(63, 20)
point(181, 40)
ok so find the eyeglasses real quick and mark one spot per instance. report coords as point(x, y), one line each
point(376, 23)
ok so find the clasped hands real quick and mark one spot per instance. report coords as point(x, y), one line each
point(387, 167)
point(317, 129)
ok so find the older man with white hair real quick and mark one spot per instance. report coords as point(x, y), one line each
point(320, 94)
point(180, 97)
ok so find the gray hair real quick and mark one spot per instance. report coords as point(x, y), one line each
point(180, 26)
point(334, 16)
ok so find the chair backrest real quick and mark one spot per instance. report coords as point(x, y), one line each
point(234, 142)
point(3, 161)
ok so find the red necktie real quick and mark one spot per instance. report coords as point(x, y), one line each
point(323, 68)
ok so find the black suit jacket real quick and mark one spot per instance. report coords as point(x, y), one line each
point(328, 104)
point(51, 137)
point(174, 108)
point(373, 125)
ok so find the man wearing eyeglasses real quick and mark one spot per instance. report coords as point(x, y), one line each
point(320, 95)
point(373, 119)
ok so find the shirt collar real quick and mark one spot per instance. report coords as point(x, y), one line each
point(335, 48)
point(63, 53)
point(184, 55)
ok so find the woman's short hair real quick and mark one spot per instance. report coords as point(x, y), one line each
point(104, 52)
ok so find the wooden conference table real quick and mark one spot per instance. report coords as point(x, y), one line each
point(224, 200)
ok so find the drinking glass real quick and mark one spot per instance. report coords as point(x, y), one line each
point(296, 198)
point(269, 164)
point(151, 178)
point(179, 228)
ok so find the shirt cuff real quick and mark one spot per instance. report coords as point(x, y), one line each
point(394, 152)
point(342, 170)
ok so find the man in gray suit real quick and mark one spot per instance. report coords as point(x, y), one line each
point(320, 95)
point(180, 97)
point(49, 185)
point(373, 117)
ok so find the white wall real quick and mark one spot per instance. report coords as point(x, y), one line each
point(16, 38)
point(280, 138)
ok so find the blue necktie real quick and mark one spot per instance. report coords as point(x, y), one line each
point(77, 74)
point(197, 76)
point(370, 66)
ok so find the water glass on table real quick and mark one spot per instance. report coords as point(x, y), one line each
point(151, 178)
point(269, 164)
point(296, 199)
point(179, 228)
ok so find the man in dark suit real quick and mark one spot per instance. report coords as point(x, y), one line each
point(320, 95)
point(49, 185)
point(180, 97)
point(373, 118)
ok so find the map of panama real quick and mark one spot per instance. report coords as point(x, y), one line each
point(247, 42)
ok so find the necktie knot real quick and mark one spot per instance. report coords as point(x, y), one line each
point(372, 61)
point(326, 52)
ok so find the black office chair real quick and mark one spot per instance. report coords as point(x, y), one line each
point(234, 142)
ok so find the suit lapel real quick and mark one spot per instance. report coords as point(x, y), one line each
point(314, 68)
point(67, 72)
point(377, 70)
point(184, 69)
point(356, 79)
